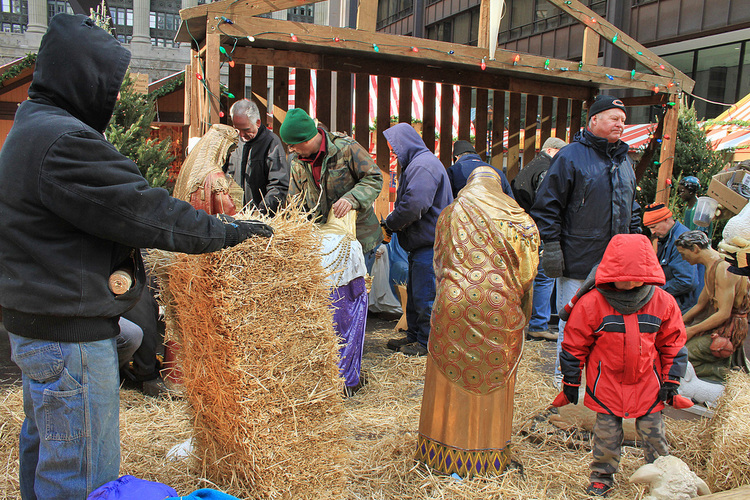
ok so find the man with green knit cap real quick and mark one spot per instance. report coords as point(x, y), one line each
point(333, 172)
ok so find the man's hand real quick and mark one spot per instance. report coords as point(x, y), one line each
point(341, 208)
point(240, 230)
point(668, 391)
point(552, 259)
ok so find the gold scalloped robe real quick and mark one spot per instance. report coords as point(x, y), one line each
point(485, 263)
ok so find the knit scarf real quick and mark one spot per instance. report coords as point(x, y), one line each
point(627, 301)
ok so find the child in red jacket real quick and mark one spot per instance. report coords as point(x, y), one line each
point(630, 335)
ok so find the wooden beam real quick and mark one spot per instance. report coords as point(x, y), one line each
point(529, 133)
point(740, 493)
point(575, 118)
point(446, 125)
point(429, 93)
point(362, 110)
point(464, 113)
point(323, 97)
point(259, 87)
point(344, 102)
point(666, 158)
point(484, 24)
point(188, 98)
point(444, 56)
point(495, 158)
point(399, 69)
point(625, 43)
point(590, 51)
point(367, 15)
point(514, 135)
point(480, 123)
point(213, 89)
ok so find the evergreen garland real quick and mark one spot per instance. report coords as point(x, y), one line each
point(26, 62)
point(167, 88)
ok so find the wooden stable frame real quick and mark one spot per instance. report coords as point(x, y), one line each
point(553, 90)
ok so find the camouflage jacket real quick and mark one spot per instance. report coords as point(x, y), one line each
point(348, 172)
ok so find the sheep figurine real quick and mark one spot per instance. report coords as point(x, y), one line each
point(699, 390)
point(670, 478)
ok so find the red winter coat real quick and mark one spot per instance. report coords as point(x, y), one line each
point(626, 356)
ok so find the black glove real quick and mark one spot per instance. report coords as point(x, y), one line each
point(552, 259)
point(668, 391)
point(240, 230)
point(385, 228)
point(571, 392)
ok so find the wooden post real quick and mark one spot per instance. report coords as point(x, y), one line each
point(344, 102)
point(362, 110)
point(404, 100)
point(484, 24)
point(480, 123)
point(383, 157)
point(323, 97)
point(464, 113)
point(446, 124)
point(666, 158)
point(546, 116)
point(529, 133)
point(237, 85)
point(514, 135)
point(280, 96)
point(498, 129)
point(259, 87)
point(302, 89)
point(213, 63)
point(428, 115)
point(561, 120)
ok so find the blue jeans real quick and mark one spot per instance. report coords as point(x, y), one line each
point(566, 289)
point(420, 292)
point(70, 439)
point(541, 308)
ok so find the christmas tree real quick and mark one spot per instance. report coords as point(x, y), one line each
point(129, 132)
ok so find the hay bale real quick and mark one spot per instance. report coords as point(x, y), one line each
point(729, 458)
point(259, 361)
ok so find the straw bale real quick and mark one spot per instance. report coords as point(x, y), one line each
point(259, 360)
point(729, 457)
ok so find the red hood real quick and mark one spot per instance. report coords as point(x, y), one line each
point(630, 257)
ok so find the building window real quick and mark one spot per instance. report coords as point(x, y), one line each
point(14, 7)
point(121, 16)
point(12, 28)
point(390, 11)
point(55, 7)
point(164, 42)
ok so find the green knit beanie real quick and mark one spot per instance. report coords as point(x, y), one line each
point(297, 127)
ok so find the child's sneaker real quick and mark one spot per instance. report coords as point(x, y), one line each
point(598, 489)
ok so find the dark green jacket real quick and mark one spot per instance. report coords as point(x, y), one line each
point(348, 172)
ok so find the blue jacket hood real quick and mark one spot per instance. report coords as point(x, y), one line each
point(406, 143)
point(80, 68)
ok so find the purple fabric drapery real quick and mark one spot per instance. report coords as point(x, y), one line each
point(349, 320)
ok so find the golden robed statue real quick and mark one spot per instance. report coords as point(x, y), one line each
point(486, 259)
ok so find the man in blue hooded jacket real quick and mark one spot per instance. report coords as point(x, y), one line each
point(423, 191)
point(74, 211)
point(587, 197)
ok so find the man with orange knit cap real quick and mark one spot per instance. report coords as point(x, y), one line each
point(682, 280)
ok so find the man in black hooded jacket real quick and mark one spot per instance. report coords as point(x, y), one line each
point(74, 211)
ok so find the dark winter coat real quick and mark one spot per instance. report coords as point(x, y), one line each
point(73, 208)
point(587, 197)
point(526, 183)
point(682, 278)
point(259, 166)
point(423, 189)
point(459, 173)
point(627, 356)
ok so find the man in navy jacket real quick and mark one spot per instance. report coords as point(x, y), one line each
point(587, 197)
point(423, 191)
point(74, 211)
